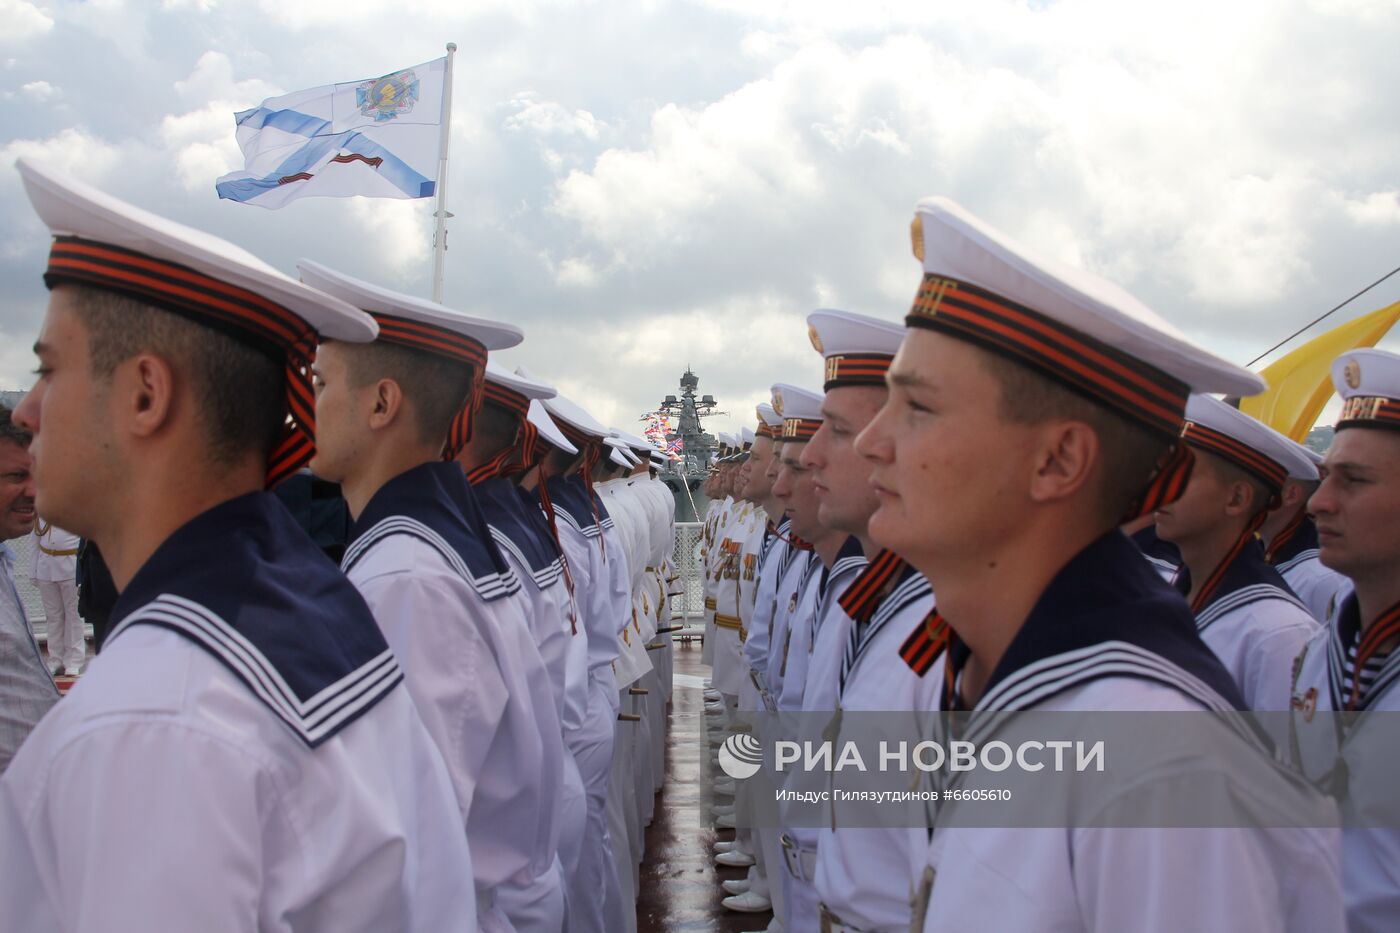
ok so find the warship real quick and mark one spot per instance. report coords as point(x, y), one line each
point(690, 444)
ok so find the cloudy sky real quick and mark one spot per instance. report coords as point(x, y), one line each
point(646, 184)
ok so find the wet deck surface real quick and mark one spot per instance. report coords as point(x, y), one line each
point(680, 883)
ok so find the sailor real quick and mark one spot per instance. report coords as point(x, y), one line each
point(1290, 543)
point(735, 576)
point(633, 782)
point(838, 555)
point(865, 870)
point(1244, 610)
point(243, 754)
point(391, 418)
point(502, 446)
point(564, 480)
point(54, 570)
point(592, 741)
point(1351, 666)
point(1032, 410)
point(758, 847)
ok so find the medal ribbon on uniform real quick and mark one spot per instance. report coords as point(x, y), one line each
point(440, 341)
point(930, 637)
point(236, 312)
point(1385, 628)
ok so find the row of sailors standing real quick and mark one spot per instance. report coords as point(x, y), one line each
point(456, 729)
point(999, 449)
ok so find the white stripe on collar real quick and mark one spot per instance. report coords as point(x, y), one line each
point(314, 719)
point(489, 586)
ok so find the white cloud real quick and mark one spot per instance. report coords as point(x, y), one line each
point(74, 150)
point(40, 91)
point(550, 118)
point(1380, 208)
point(23, 21)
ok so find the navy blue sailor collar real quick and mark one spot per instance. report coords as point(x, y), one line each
point(850, 557)
point(1106, 613)
point(572, 498)
point(1249, 578)
point(435, 503)
point(1299, 543)
point(522, 525)
point(245, 583)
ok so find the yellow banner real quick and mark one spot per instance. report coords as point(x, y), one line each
point(1300, 383)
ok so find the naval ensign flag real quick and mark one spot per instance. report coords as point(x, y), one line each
point(378, 138)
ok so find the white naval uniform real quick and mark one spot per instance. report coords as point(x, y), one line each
point(189, 782)
point(828, 630)
point(1321, 684)
point(1256, 626)
point(862, 872)
point(454, 613)
point(592, 743)
point(717, 518)
point(54, 570)
point(523, 539)
point(1154, 880)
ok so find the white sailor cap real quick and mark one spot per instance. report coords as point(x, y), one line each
point(414, 322)
point(103, 242)
point(577, 424)
point(1248, 443)
point(548, 431)
point(619, 455)
point(659, 458)
point(633, 441)
point(746, 436)
point(770, 423)
point(1071, 326)
point(857, 349)
point(1369, 383)
point(801, 410)
point(522, 387)
point(1316, 459)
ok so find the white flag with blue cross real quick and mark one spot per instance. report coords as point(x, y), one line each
point(377, 138)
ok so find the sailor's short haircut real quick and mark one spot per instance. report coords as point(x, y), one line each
point(9, 431)
point(239, 390)
point(1128, 452)
point(1232, 473)
point(435, 387)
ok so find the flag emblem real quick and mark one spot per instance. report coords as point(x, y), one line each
point(387, 97)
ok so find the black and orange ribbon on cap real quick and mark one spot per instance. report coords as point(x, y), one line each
point(517, 456)
point(444, 342)
point(800, 429)
point(230, 309)
point(1370, 411)
point(1121, 382)
point(856, 369)
point(1270, 472)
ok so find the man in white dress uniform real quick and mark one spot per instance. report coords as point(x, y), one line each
point(1033, 409)
point(391, 418)
point(1351, 666)
point(1290, 543)
point(1244, 610)
point(243, 755)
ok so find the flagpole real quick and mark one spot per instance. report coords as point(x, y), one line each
point(440, 235)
